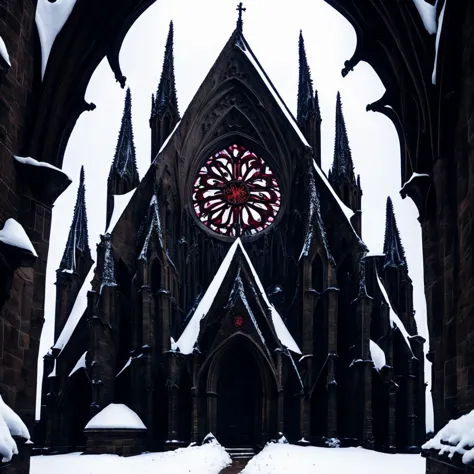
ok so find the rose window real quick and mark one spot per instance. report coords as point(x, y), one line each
point(236, 193)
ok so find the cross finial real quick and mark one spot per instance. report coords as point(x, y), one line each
point(240, 8)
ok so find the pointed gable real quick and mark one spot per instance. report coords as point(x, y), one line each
point(191, 333)
point(124, 164)
point(392, 246)
point(151, 226)
point(78, 238)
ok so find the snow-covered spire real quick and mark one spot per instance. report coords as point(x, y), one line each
point(108, 272)
point(392, 246)
point(124, 164)
point(342, 166)
point(78, 239)
point(308, 102)
point(166, 93)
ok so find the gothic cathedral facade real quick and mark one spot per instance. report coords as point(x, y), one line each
point(232, 291)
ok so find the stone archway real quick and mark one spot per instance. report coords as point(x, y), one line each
point(74, 412)
point(242, 395)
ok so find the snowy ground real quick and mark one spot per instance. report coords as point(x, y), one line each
point(207, 459)
point(285, 458)
point(212, 458)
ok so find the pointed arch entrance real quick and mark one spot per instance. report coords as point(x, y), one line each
point(241, 382)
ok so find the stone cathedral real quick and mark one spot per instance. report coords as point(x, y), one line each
point(232, 292)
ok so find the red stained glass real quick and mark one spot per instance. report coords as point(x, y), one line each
point(238, 321)
point(236, 193)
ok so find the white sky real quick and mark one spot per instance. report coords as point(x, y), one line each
point(201, 30)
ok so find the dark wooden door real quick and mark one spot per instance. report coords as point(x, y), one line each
point(239, 401)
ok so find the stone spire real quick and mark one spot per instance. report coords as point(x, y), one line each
point(308, 114)
point(125, 164)
point(123, 174)
point(78, 239)
point(342, 167)
point(76, 262)
point(308, 102)
point(392, 246)
point(164, 106)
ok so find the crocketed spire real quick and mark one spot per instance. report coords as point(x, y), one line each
point(166, 93)
point(124, 164)
point(308, 102)
point(78, 238)
point(392, 246)
point(342, 166)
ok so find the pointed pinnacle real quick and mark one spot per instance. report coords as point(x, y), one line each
point(124, 162)
point(392, 247)
point(342, 164)
point(78, 237)
point(308, 105)
point(166, 92)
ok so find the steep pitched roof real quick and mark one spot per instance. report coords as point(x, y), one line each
point(308, 104)
point(125, 163)
point(78, 234)
point(392, 246)
point(166, 93)
point(190, 334)
point(342, 165)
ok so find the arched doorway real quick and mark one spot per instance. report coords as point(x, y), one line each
point(74, 412)
point(246, 395)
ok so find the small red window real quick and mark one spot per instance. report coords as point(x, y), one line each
point(238, 321)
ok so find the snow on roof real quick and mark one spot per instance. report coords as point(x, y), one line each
point(13, 234)
point(375, 254)
point(127, 364)
point(428, 15)
point(413, 177)
point(50, 18)
point(77, 311)
point(13, 421)
point(80, 364)
point(281, 330)
point(394, 319)
point(27, 160)
point(116, 416)
point(455, 437)
point(168, 138)
point(438, 36)
point(244, 46)
point(120, 203)
point(4, 51)
point(378, 355)
point(53, 372)
point(190, 334)
point(346, 210)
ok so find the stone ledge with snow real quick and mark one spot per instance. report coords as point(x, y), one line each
point(36, 173)
point(454, 440)
point(11, 425)
point(115, 430)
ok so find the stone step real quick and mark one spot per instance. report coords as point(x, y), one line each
point(241, 453)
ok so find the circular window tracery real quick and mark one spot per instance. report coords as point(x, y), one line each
point(236, 193)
